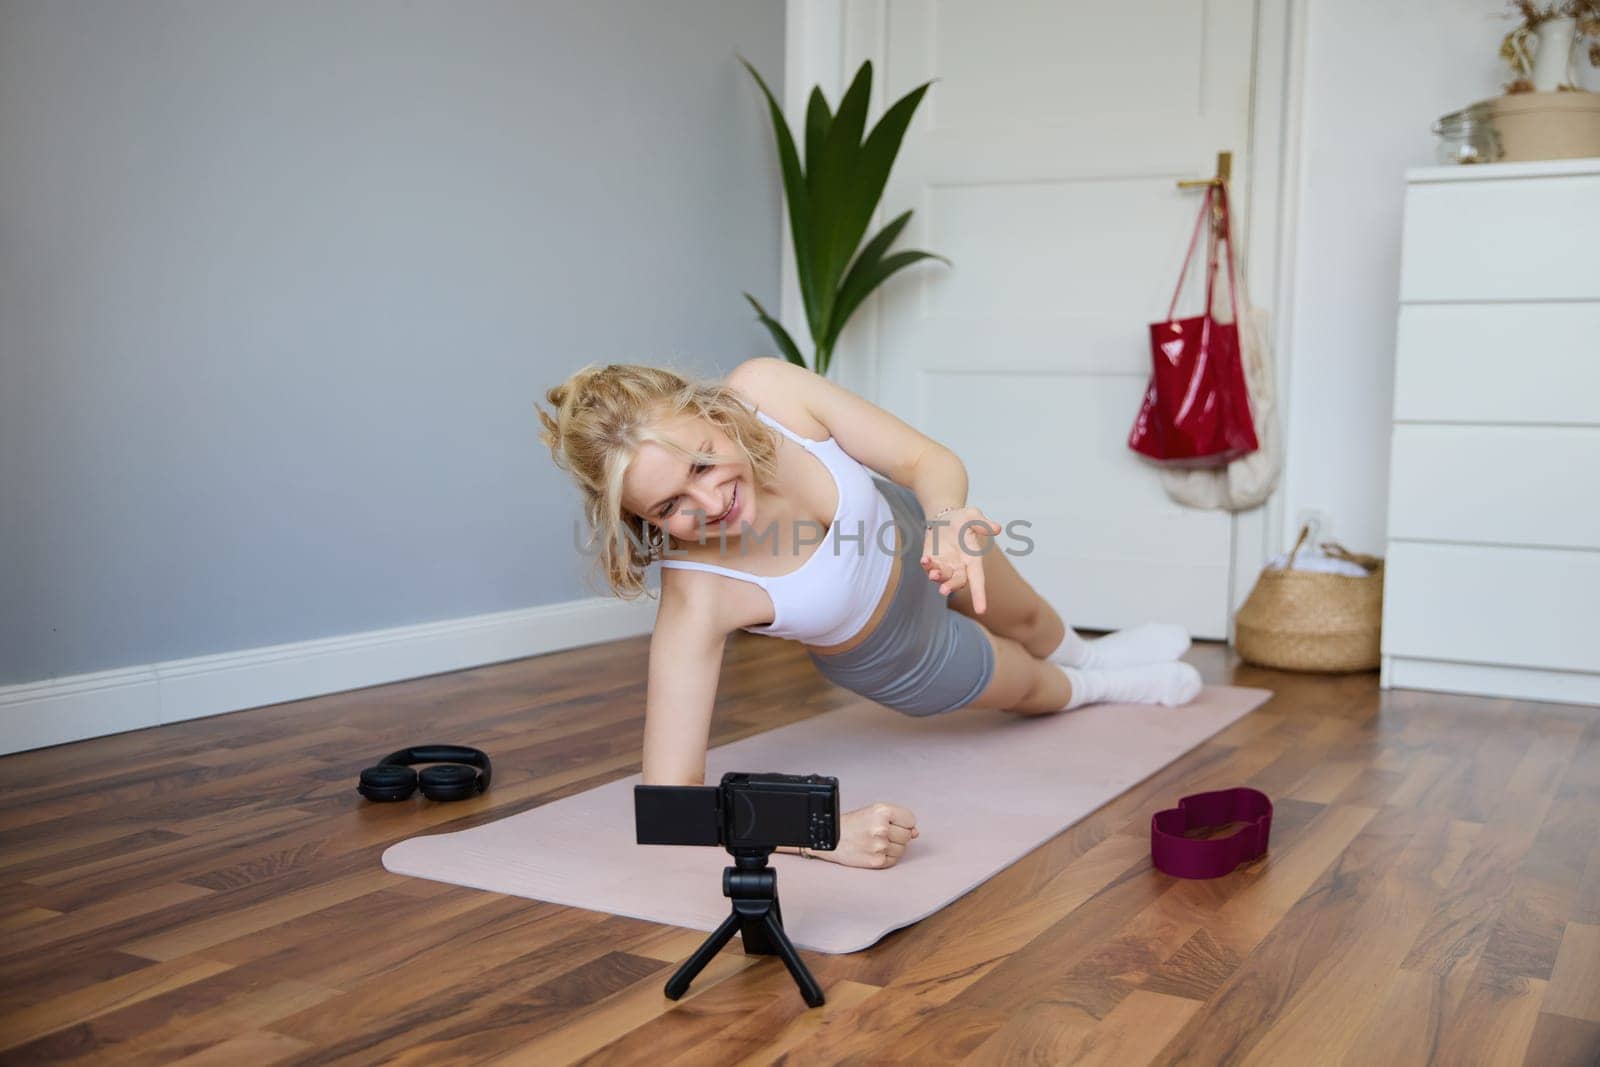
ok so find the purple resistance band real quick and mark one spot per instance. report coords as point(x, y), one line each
point(1188, 857)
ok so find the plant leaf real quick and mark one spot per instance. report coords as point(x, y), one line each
point(794, 187)
point(785, 343)
point(869, 255)
point(872, 174)
point(876, 247)
point(818, 120)
point(864, 277)
point(831, 181)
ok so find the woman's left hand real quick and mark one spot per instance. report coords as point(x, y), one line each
point(952, 552)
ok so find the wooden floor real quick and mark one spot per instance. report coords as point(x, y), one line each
point(210, 892)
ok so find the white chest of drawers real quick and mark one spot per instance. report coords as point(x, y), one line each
point(1493, 573)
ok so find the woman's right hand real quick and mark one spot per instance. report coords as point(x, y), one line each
point(873, 836)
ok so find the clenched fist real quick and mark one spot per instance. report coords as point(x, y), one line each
point(873, 836)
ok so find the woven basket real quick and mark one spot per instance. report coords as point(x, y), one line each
point(1309, 621)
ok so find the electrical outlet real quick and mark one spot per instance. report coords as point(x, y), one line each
point(1317, 519)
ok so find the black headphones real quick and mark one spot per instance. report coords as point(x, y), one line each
point(393, 778)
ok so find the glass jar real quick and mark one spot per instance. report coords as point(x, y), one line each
point(1467, 136)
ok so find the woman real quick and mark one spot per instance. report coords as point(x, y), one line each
point(756, 498)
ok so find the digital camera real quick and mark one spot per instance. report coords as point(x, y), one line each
point(746, 811)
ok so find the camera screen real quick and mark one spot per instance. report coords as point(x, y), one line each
point(779, 818)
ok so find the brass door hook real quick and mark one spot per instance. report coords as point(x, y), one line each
point(1224, 174)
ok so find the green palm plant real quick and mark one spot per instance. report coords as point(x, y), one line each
point(831, 200)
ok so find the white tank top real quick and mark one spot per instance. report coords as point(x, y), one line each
point(829, 597)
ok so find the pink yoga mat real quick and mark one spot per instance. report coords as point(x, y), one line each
point(987, 787)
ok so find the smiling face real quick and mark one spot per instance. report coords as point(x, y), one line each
point(685, 497)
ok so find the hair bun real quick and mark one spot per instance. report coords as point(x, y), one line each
point(567, 399)
point(551, 435)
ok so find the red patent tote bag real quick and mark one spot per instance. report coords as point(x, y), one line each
point(1196, 409)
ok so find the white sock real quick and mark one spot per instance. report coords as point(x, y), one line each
point(1170, 684)
point(1149, 642)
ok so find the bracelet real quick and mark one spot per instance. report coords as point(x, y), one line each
point(943, 511)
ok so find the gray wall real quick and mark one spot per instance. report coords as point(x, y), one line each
point(280, 282)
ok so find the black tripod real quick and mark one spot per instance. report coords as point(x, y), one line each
point(753, 887)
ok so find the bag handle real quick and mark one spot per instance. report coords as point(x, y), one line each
point(1225, 238)
point(1305, 532)
point(1360, 559)
point(1205, 209)
point(1221, 234)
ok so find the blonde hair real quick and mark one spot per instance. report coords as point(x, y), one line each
point(603, 414)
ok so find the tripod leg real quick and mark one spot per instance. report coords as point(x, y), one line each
point(678, 984)
point(752, 925)
point(809, 989)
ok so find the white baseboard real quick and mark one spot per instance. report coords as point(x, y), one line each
point(1490, 680)
point(53, 711)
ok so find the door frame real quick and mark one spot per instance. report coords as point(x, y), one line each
point(827, 40)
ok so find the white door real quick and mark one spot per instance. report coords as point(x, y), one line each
point(1044, 163)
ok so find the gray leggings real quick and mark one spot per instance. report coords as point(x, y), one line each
point(924, 657)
